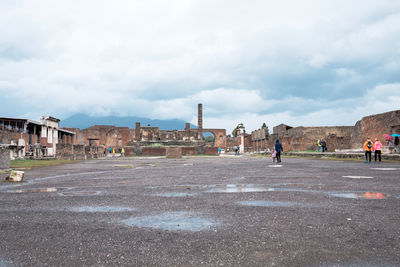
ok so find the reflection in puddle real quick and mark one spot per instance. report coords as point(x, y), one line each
point(358, 177)
point(175, 194)
point(261, 203)
point(101, 209)
point(35, 190)
point(274, 166)
point(80, 193)
point(366, 195)
point(385, 169)
point(172, 221)
point(239, 188)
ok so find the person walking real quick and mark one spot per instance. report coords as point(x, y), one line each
point(278, 149)
point(396, 144)
point(378, 149)
point(368, 147)
point(323, 144)
point(273, 155)
point(123, 152)
point(319, 146)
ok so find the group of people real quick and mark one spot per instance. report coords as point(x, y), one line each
point(321, 146)
point(112, 151)
point(377, 147)
point(370, 146)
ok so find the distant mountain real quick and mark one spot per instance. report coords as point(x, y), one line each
point(83, 121)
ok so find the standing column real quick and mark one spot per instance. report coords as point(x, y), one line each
point(200, 120)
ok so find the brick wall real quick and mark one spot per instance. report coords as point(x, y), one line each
point(211, 151)
point(189, 151)
point(153, 151)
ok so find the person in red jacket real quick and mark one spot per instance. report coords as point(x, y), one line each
point(378, 149)
point(368, 147)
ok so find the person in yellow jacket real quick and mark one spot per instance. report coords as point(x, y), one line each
point(368, 147)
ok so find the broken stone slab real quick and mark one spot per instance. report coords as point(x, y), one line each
point(16, 176)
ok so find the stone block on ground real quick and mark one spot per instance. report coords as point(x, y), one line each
point(16, 176)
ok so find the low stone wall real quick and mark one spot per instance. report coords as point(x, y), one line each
point(211, 151)
point(189, 151)
point(4, 157)
point(342, 155)
point(153, 151)
point(173, 152)
point(78, 152)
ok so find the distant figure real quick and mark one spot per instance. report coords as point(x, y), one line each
point(219, 150)
point(104, 152)
point(323, 144)
point(113, 151)
point(278, 149)
point(123, 152)
point(273, 155)
point(378, 149)
point(319, 146)
point(396, 144)
point(368, 147)
point(109, 150)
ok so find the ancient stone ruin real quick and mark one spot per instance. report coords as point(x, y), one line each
point(336, 137)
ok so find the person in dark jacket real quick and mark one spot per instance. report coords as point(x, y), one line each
point(278, 149)
point(396, 144)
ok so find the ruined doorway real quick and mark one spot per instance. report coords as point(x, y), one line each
point(209, 138)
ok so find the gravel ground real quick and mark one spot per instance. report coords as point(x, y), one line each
point(212, 211)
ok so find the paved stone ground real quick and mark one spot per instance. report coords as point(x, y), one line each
point(234, 211)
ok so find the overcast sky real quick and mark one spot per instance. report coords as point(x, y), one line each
point(309, 62)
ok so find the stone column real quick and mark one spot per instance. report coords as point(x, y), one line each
point(200, 121)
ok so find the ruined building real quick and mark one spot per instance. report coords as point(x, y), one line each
point(45, 138)
point(337, 137)
point(30, 138)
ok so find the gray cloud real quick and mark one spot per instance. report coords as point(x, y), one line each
point(263, 60)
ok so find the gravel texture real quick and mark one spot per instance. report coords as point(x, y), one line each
point(212, 211)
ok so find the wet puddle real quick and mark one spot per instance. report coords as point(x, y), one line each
point(274, 166)
point(175, 194)
point(358, 177)
point(260, 203)
point(101, 209)
point(35, 190)
point(80, 193)
point(172, 221)
point(239, 188)
point(363, 195)
point(385, 169)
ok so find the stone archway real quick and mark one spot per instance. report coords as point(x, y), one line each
point(220, 137)
point(113, 138)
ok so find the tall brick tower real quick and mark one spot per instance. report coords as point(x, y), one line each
point(200, 120)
